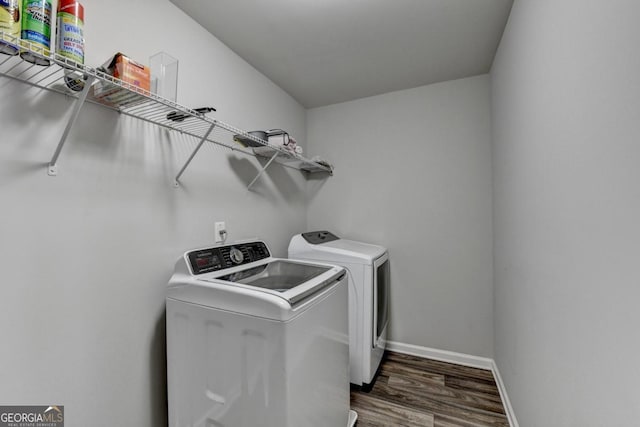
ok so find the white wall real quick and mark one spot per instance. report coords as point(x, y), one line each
point(565, 112)
point(85, 256)
point(413, 173)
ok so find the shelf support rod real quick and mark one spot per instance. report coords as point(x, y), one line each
point(176, 183)
point(53, 167)
point(264, 168)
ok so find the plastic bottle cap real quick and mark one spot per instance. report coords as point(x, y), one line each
point(73, 7)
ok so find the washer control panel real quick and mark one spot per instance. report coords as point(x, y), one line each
point(222, 257)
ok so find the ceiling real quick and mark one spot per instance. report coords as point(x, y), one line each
point(328, 51)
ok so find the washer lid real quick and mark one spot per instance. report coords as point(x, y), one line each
point(272, 288)
point(293, 281)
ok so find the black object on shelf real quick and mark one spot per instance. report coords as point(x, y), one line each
point(178, 116)
point(248, 142)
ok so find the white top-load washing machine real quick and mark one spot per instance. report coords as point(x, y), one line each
point(254, 340)
point(369, 277)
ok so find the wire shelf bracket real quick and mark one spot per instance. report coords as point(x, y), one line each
point(79, 102)
point(261, 172)
point(176, 182)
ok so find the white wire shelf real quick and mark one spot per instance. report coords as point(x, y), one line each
point(138, 103)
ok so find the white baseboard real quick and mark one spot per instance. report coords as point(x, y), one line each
point(441, 355)
point(511, 416)
point(460, 359)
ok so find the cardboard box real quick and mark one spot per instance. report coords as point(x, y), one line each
point(124, 68)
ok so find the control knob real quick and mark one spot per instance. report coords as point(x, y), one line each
point(236, 256)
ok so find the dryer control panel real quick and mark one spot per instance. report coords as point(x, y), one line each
point(318, 237)
point(223, 257)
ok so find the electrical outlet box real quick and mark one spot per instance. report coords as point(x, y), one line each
point(220, 230)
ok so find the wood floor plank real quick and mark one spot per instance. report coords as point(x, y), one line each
point(445, 394)
point(471, 385)
point(449, 421)
point(411, 391)
point(390, 368)
point(373, 411)
point(384, 392)
point(437, 367)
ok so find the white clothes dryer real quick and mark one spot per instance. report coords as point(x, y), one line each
point(369, 281)
point(254, 340)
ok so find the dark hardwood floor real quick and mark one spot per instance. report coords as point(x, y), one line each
point(415, 392)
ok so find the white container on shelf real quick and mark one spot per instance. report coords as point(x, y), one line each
point(164, 76)
point(278, 138)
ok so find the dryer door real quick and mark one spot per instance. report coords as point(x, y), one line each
point(381, 283)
